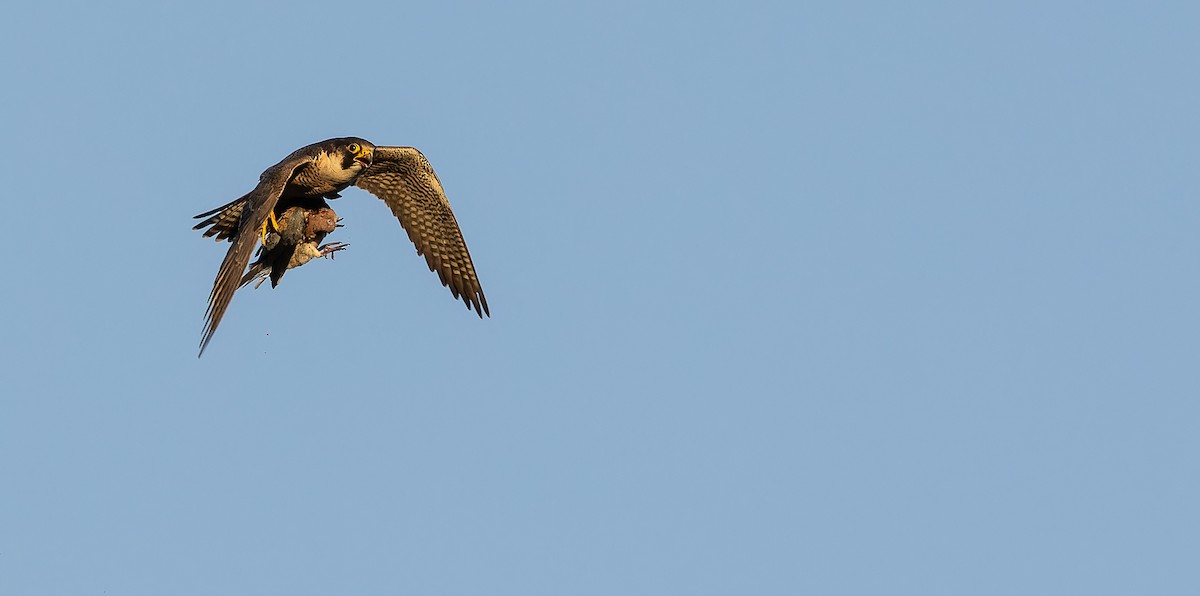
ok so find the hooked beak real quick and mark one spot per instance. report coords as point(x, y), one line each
point(365, 157)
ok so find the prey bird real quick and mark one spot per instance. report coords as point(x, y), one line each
point(288, 214)
point(296, 242)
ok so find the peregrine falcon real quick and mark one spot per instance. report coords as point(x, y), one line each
point(287, 212)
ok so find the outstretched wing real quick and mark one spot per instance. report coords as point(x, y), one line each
point(403, 178)
point(223, 221)
point(258, 204)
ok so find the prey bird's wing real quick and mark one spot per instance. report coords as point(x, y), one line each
point(403, 178)
point(258, 205)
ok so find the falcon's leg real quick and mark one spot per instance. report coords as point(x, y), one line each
point(327, 250)
point(271, 221)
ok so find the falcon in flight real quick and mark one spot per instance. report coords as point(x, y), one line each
point(288, 214)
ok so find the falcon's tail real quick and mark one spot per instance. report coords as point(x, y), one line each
point(223, 221)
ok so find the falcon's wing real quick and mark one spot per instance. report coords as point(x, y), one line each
point(258, 204)
point(403, 178)
point(223, 220)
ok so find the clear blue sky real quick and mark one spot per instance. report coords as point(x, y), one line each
point(794, 298)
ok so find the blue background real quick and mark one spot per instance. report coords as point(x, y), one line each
point(793, 298)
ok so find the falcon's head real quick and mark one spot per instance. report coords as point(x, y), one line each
point(356, 153)
point(339, 161)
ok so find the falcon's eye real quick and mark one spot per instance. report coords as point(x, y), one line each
point(353, 147)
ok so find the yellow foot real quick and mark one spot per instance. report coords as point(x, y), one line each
point(271, 221)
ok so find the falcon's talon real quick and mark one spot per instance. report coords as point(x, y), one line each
point(271, 221)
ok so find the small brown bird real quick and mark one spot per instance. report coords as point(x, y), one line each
point(288, 213)
point(298, 241)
